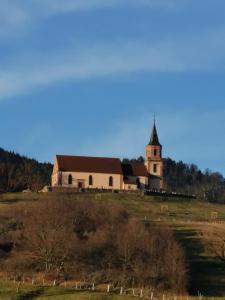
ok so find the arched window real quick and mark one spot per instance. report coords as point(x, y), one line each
point(155, 152)
point(90, 180)
point(70, 179)
point(110, 181)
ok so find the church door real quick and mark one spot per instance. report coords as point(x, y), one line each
point(80, 184)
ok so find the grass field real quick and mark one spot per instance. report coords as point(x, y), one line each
point(8, 291)
point(173, 210)
point(186, 217)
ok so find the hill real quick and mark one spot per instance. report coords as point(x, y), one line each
point(187, 218)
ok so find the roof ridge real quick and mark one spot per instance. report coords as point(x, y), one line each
point(86, 156)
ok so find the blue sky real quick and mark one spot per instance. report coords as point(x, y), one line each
point(85, 77)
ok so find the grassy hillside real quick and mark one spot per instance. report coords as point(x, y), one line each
point(186, 217)
point(172, 210)
point(8, 291)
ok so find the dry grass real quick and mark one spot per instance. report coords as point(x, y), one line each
point(151, 208)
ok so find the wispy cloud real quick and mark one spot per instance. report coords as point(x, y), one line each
point(199, 53)
point(17, 15)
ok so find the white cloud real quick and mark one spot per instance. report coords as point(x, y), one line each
point(204, 53)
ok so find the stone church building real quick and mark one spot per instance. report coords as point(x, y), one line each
point(110, 173)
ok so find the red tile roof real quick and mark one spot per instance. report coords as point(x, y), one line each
point(135, 169)
point(89, 164)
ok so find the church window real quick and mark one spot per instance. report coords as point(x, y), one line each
point(70, 179)
point(110, 181)
point(155, 168)
point(91, 180)
point(155, 152)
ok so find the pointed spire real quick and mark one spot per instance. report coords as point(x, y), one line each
point(154, 140)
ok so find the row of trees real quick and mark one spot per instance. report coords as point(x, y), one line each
point(90, 242)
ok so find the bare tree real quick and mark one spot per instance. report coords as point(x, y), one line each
point(47, 236)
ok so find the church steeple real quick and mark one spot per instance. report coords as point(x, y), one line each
point(153, 161)
point(154, 140)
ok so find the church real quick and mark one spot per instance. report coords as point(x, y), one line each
point(83, 172)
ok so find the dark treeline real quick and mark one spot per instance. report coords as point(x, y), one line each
point(89, 242)
point(189, 179)
point(18, 173)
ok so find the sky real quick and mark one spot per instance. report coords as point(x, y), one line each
point(85, 77)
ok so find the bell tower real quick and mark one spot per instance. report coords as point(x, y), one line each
point(154, 162)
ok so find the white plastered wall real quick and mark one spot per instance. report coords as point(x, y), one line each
point(100, 181)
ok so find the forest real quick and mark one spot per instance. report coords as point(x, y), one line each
point(188, 179)
point(18, 173)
